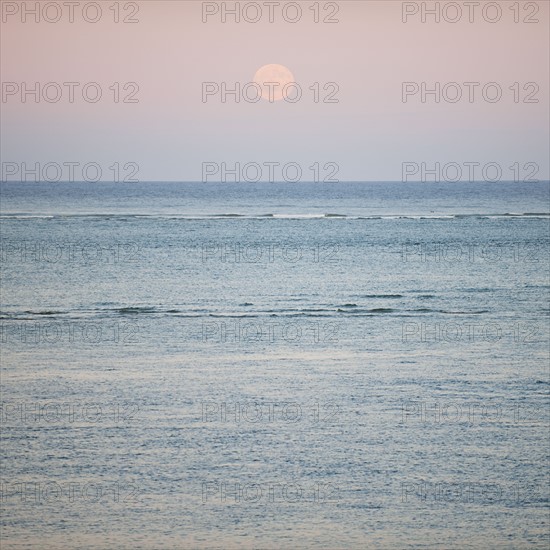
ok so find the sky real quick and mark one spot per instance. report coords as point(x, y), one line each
point(170, 130)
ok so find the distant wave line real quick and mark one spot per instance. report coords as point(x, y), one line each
point(278, 216)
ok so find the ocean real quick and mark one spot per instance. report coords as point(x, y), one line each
point(276, 365)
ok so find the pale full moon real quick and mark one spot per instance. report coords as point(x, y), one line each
point(274, 74)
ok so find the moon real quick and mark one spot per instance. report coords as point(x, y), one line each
point(279, 74)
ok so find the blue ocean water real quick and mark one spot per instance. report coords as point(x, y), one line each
point(352, 365)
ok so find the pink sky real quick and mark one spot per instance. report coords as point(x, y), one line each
point(369, 53)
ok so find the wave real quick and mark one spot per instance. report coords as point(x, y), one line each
point(390, 296)
point(228, 216)
point(345, 310)
point(271, 215)
point(374, 310)
point(28, 314)
point(447, 312)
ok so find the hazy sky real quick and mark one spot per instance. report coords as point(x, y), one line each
point(368, 53)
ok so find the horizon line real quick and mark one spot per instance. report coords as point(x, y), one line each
point(274, 182)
